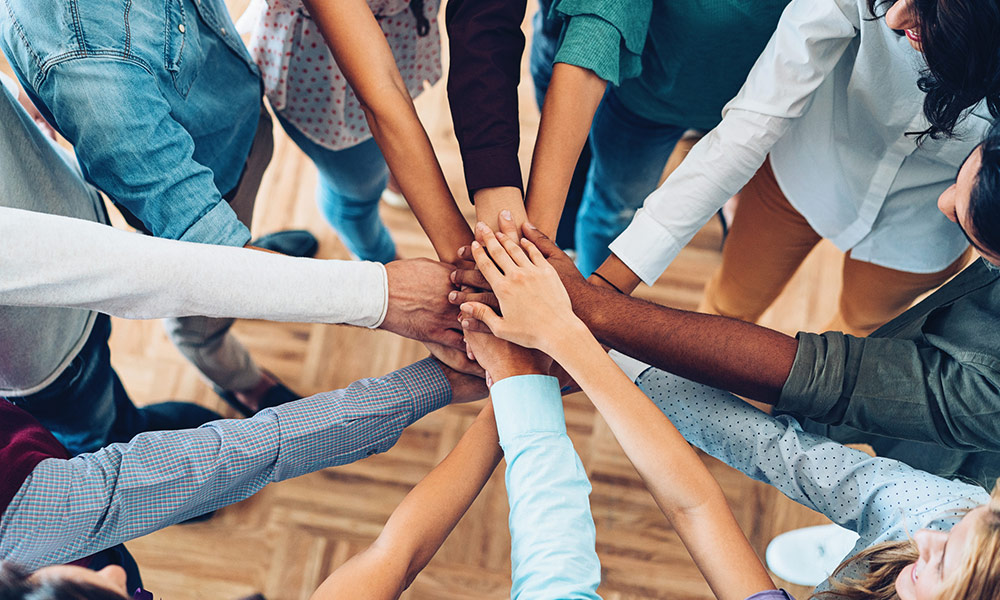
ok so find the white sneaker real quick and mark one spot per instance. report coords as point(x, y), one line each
point(394, 199)
point(809, 555)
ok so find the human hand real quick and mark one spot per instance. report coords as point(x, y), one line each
point(418, 302)
point(464, 387)
point(502, 359)
point(456, 359)
point(537, 311)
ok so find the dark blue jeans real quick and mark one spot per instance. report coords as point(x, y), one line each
point(87, 407)
point(628, 154)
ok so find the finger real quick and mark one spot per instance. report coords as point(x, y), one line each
point(497, 252)
point(507, 225)
point(473, 325)
point(470, 278)
point(464, 253)
point(546, 246)
point(485, 263)
point(510, 245)
point(451, 338)
point(533, 253)
point(483, 313)
point(487, 298)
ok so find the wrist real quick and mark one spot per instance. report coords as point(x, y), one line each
point(568, 337)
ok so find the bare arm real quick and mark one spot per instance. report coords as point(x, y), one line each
point(538, 314)
point(570, 103)
point(360, 49)
point(422, 521)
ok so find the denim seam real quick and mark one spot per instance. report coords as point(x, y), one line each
point(20, 33)
point(79, 55)
point(78, 26)
point(128, 29)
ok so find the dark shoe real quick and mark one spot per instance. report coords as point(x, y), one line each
point(277, 395)
point(294, 242)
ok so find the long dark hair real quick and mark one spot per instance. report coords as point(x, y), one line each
point(961, 44)
point(984, 201)
point(16, 584)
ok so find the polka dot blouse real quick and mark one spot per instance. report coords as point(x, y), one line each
point(881, 499)
point(305, 85)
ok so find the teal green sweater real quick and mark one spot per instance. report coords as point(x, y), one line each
point(673, 61)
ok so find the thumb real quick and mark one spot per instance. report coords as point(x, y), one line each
point(547, 247)
point(484, 313)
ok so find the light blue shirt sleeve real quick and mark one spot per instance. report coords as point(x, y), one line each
point(69, 509)
point(553, 553)
point(879, 498)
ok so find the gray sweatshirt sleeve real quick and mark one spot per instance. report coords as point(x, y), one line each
point(49, 260)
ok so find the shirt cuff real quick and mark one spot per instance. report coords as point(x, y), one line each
point(527, 404)
point(646, 247)
point(496, 166)
point(630, 366)
point(385, 296)
point(426, 384)
point(219, 226)
point(593, 43)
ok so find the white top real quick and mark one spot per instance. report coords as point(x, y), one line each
point(305, 85)
point(831, 99)
point(50, 260)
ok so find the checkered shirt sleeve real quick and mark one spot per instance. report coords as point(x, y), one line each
point(69, 509)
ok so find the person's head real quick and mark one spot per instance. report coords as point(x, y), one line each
point(973, 201)
point(64, 582)
point(961, 564)
point(960, 41)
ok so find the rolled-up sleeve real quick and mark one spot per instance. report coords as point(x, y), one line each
point(131, 147)
point(895, 388)
point(69, 509)
point(606, 37)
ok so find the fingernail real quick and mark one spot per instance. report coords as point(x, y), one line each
point(453, 296)
point(505, 214)
point(529, 225)
point(461, 251)
point(475, 244)
point(466, 324)
point(454, 276)
point(480, 225)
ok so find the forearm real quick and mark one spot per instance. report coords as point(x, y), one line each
point(572, 98)
point(96, 267)
point(423, 520)
point(613, 274)
point(107, 495)
point(729, 354)
point(360, 49)
point(674, 474)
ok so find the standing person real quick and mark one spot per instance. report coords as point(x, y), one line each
point(322, 114)
point(828, 119)
point(635, 76)
point(952, 556)
point(181, 153)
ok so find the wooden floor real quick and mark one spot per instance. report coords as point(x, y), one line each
point(284, 541)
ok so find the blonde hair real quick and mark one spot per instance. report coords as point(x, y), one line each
point(977, 578)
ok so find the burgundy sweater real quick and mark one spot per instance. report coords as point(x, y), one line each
point(23, 444)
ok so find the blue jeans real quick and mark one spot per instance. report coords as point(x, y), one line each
point(350, 185)
point(628, 153)
point(87, 407)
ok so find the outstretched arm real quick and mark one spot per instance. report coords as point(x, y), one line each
point(359, 47)
point(744, 358)
point(538, 313)
point(422, 521)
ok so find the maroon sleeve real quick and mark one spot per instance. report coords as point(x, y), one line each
point(486, 45)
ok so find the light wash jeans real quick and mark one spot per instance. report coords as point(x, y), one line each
point(628, 154)
point(351, 182)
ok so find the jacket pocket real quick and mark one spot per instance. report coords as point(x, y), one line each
point(182, 54)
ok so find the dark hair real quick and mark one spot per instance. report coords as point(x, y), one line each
point(960, 40)
point(15, 584)
point(984, 200)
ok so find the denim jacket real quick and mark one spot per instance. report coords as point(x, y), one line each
point(159, 98)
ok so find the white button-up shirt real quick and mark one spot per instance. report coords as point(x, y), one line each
point(831, 98)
